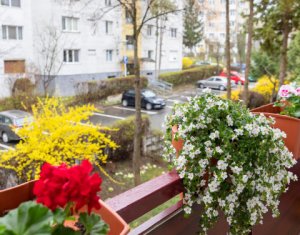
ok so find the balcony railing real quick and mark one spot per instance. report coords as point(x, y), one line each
point(140, 200)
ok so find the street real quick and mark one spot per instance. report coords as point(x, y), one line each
point(111, 114)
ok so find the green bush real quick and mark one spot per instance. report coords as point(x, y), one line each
point(189, 76)
point(22, 102)
point(98, 90)
point(124, 136)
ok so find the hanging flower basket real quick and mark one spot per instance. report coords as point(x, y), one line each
point(229, 160)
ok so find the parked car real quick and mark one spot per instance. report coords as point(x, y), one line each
point(234, 76)
point(216, 82)
point(10, 120)
point(149, 99)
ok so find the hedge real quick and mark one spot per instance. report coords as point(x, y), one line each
point(123, 135)
point(97, 90)
point(189, 75)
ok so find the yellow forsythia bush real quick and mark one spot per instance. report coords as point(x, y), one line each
point(267, 87)
point(187, 62)
point(57, 135)
point(235, 95)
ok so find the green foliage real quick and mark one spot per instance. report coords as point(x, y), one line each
point(264, 64)
point(193, 27)
point(104, 88)
point(294, 58)
point(29, 218)
point(93, 224)
point(189, 76)
point(22, 102)
point(159, 6)
point(273, 16)
point(123, 136)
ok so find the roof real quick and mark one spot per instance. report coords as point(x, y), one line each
point(15, 113)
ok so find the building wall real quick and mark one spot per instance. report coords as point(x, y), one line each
point(14, 49)
point(41, 18)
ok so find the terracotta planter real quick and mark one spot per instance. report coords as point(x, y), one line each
point(177, 144)
point(11, 198)
point(290, 125)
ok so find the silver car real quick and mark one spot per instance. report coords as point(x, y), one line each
point(12, 119)
point(216, 82)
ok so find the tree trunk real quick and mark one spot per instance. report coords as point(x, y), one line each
point(228, 51)
point(138, 117)
point(283, 52)
point(249, 49)
point(156, 49)
point(161, 35)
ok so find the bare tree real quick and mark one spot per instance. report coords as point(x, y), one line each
point(50, 50)
point(228, 51)
point(139, 19)
point(249, 50)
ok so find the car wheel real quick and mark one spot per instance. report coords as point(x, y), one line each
point(5, 138)
point(222, 88)
point(148, 106)
point(201, 86)
point(125, 103)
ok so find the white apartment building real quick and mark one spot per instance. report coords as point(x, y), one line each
point(71, 41)
point(213, 15)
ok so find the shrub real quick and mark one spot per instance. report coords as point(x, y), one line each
point(189, 76)
point(23, 87)
point(123, 136)
point(187, 62)
point(255, 99)
point(268, 87)
point(22, 102)
point(98, 90)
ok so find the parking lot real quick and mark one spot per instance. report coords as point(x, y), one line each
point(111, 114)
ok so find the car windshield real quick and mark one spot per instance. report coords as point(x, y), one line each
point(149, 94)
point(21, 121)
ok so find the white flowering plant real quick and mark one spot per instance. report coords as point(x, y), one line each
point(231, 161)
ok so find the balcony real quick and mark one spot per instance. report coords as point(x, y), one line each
point(136, 202)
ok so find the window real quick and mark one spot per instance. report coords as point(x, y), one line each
point(149, 30)
point(107, 2)
point(231, 2)
point(128, 17)
point(211, 2)
point(70, 24)
point(11, 3)
point(129, 42)
point(150, 54)
point(211, 25)
point(108, 27)
point(71, 56)
point(232, 12)
point(12, 32)
point(109, 55)
point(231, 23)
point(173, 32)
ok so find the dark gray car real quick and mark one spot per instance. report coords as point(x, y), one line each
point(216, 82)
point(12, 119)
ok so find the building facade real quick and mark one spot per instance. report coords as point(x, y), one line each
point(60, 43)
point(213, 16)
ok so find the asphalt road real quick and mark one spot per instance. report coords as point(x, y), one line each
point(111, 114)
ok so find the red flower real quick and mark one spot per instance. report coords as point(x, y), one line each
point(59, 185)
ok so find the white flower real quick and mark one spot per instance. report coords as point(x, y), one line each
point(219, 150)
point(245, 178)
point(207, 143)
point(207, 199)
point(191, 176)
point(187, 210)
point(229, 120)
point(222, 165)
